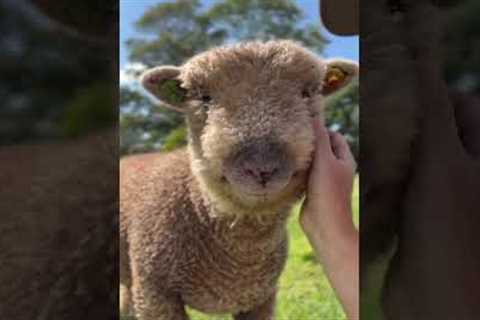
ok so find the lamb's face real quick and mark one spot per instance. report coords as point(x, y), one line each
point(249, 110)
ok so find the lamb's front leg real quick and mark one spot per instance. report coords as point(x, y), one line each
point(264, 311)
point(156, 306)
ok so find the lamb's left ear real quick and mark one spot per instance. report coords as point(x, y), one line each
point(338, 74)
point(164, 84)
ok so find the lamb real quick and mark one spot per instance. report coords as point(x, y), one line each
point(204, 226)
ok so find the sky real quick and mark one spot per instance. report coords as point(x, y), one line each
point(132, 10)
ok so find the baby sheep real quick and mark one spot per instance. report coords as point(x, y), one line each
point(205, 226)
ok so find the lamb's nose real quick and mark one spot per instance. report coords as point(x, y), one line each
point(259, 166)
point(261, 175)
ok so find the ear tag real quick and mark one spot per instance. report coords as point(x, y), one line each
point(171, 91)
point(334, 78)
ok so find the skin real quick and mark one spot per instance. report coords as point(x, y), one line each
point(326, 216)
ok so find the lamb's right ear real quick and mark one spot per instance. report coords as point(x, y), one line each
point(339, 73)
point(164, 84)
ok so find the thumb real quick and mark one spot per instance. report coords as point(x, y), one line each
point(322, 137)
point(341, 149)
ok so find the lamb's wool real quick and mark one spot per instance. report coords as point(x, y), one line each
point(186, 236)
point(179, 250)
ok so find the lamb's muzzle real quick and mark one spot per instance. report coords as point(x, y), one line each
point(259, 168)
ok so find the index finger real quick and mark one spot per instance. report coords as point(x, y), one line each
point(322, 137)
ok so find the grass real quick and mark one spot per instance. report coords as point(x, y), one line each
point(304, 291)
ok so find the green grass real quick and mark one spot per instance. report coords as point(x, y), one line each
point(304, 292)
point(356, 203)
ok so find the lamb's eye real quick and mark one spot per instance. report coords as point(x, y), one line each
point(206, 98)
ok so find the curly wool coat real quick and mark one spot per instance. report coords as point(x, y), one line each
point(182, 255)
point(188, 237)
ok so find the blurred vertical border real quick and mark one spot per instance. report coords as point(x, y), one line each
point(58, 159)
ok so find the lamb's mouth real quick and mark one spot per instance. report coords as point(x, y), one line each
point(257, 194)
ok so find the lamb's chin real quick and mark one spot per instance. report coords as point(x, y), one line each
point(228, 201)
point(272, 202)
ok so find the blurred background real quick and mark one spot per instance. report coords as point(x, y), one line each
point(58, 155)
point(154, 32)
point(58, 74)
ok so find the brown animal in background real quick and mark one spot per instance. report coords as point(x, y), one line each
point(205, 226)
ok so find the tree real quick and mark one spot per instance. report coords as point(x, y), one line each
point(36, 50)
point(342, 114)
point(176, 31)
point(143, 124)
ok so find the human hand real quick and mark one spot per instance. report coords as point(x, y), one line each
point(326, 216)
point(327, 207)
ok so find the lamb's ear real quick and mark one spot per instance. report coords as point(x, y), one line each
point(164, 84)
point(338, 74)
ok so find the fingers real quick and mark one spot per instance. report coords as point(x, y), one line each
point(322, 139)
point(340, 148)
point(331, 144)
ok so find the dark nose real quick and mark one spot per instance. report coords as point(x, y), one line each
point(260, 162)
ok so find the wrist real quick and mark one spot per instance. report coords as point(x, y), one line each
point(328, 223)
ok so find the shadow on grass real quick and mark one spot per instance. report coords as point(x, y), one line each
point(309, 257)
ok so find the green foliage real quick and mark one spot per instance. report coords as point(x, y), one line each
point(175, 139)
point(30, 112)
point(175, 31)
point(342, 114)
point(183, 28)
point(91, 109)
point(143, 125)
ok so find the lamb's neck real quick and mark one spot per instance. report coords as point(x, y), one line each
point(249, 231)
point(249, 236)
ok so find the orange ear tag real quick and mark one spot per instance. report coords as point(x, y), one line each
point(334, 78)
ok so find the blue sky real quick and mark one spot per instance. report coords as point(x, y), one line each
point(132, 10)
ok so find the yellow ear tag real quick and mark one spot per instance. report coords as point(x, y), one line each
point(334, 78)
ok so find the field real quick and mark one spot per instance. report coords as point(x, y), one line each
point(304, 291)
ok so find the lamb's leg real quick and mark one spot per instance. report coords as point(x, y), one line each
point(265, 311)
point(156, 306)
point(125, 301)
